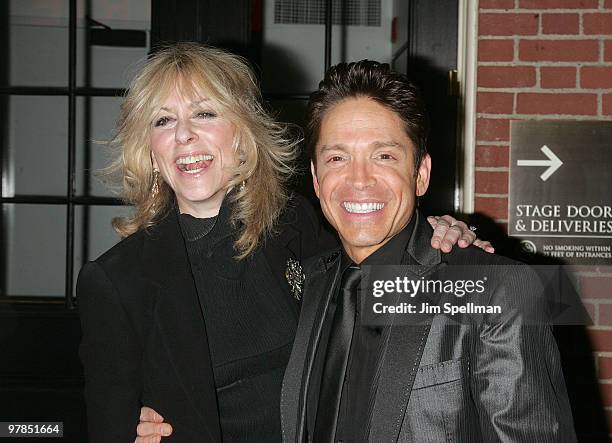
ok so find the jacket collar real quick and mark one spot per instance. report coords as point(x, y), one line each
point(165, 255)
point(182, 330)
point(419, 247)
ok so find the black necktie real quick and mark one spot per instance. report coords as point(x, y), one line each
point(336, 357)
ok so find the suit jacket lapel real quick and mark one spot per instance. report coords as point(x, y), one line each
point(319, 288)
point(181, 320)
point(404, 347)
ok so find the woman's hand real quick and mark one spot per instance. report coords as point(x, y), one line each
point(449, 232)
point(151, 428)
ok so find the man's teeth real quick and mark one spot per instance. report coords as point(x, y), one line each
point(362, 208)
point(193, 159)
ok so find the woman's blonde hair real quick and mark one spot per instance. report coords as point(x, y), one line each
point(265, 152)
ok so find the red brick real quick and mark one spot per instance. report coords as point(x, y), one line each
point(491, 156)
point(506, 76)
point(605, 367)
point(494, 207)
point(596, 287)
point(565, 104)
point(599, 23)
point(496, 50)
point(560, 23)
point(608, 50)
point(600, 340)
point(489, 182)
point(608, 4)
point(607, 104)
point(508, 24)
point(496, 4)
point(558, 4)
point(596, 77)
point(605, 315)
point(488, 129)
point(559, 50)
point(558, 77)
point(494, 102)
point(606, 394)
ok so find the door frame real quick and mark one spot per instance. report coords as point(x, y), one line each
point(467, 51)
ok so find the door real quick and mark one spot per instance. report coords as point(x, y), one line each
point(417, 37)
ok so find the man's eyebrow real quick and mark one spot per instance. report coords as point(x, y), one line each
point(337, 146)
point(386, 144)
point(374, 144)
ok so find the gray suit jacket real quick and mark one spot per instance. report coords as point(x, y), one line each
point(440, 380)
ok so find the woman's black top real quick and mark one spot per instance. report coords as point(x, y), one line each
point(250, 331)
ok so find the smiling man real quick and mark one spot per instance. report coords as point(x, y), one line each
point(498, 379)
point(361, 177)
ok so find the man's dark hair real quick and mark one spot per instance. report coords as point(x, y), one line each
point(370, 79)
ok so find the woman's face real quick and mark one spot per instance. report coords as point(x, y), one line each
point(191, 145)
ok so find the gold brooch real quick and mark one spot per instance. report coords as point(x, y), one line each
point(295, 278)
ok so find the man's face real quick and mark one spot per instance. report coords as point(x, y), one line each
point(365, 175)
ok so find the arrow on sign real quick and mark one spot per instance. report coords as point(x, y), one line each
point(553, 163)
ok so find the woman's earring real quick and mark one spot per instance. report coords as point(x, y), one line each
point(242, 186)
point(155, 187)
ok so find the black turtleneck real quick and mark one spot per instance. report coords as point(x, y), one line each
point(250, 332)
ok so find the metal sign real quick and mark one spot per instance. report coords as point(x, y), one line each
point(560, 201)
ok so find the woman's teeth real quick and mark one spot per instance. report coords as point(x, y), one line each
point(193, 164)
point(362, 208)
point(193, 159)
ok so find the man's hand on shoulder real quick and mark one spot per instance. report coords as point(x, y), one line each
point(449, 232)
point(152, 427)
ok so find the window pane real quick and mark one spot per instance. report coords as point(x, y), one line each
point(105, 60)
point(36, 155)
point(96, 117)
point(35, 254)
point(38, 35)
point(94, 233)
point(293, 53)
point(38, 38)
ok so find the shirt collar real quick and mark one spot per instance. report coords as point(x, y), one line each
point(391, 252)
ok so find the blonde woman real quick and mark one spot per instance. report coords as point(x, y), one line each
point(194, 313)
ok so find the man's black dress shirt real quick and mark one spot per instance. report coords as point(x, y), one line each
point(365, 357)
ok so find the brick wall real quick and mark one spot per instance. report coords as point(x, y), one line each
point(544, 59)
